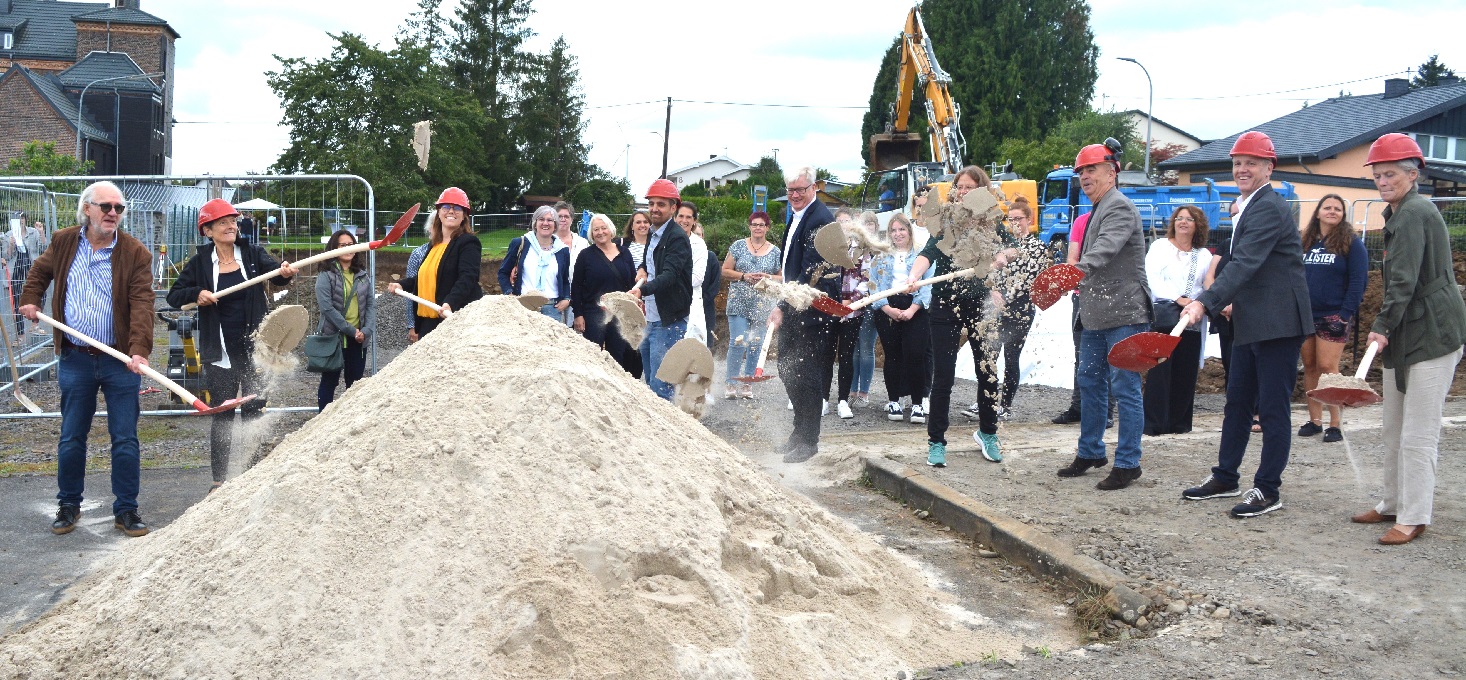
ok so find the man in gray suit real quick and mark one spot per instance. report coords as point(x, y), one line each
point(1265, 285)
point(1114, 305)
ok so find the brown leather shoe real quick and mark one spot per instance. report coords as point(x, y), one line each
point(1396, 537)
point(1371, 517)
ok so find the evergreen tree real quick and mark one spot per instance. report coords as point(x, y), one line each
point(488, 60)
point(1034, 158)
point(1431, 73)
point(550, 124)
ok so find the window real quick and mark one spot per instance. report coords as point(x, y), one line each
point(7, 40)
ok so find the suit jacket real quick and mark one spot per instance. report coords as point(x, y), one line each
point(1422, 313)
point(458, 272)
point(673, 283)
point(802, 259)
point(1114, 291)
point(1264, 279)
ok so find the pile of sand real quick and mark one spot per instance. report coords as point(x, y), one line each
point(500, 501)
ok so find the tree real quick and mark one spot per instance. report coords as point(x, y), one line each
point(1033, 159)
point(40, 159)
point(601, 193)
point(1018, 69)
point(1431, 73)
point(549, 124)
point(488, 60)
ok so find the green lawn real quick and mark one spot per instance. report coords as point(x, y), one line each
point(496, 242)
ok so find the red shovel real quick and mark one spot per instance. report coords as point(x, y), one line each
point(1052, 283)
point(202, 409)
point(1143, 351)
point(763, 353)
point(1357, 394)
point(834, 307)
point(397, 231)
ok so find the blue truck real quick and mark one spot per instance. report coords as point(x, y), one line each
point(1061, 201)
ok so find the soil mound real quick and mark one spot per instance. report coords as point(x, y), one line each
point(501, 500)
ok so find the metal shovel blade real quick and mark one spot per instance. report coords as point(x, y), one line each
point(757, 377)
point(1052, 283)
point(831, 306)
point(832, 244)
point(1345, 396)
point(206, 410)
point(398, 229)
point(1142, 351)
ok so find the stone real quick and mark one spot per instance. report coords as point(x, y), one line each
point(1221, 613)
point(1253, 660)
point(1142, 623)
point(1129, 616)
point(1122, 598)
point(1309, 652)
point(988, 554)
point(1177, 607)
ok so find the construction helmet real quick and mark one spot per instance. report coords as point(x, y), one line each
point(1095, 154)
point(664, 188)
point(215, 209)
point(1395, 147)
point(453, 196)
point(1254, 143)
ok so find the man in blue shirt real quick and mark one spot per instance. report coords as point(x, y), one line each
point(666, 282)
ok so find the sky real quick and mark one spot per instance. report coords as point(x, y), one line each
point(1215, 72)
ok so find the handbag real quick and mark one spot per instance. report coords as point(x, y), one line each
point(323, 353)
point(1166, 314)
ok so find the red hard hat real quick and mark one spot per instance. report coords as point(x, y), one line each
point(664, 188)
point(1095, 154)
point(453, 196)
point(1395, 147)
point(213, 210)
point(1254, 143)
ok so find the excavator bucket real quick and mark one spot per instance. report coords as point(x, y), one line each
point(893, 150)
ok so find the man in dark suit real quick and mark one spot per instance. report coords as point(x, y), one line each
point(666, 282)
point(806, 338)
point(1265, 285)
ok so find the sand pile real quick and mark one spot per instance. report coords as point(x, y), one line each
point(501, 500)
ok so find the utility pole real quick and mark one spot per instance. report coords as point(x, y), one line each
point(666, 138)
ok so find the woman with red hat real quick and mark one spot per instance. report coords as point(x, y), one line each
point(226, 325)
point(449, 272)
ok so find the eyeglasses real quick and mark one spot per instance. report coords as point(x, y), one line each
point(449, 207)
point(799, 190)
point(109, 207)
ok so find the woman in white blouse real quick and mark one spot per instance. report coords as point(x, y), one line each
point(1175, 267)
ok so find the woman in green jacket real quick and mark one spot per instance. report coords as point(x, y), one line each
point(1420, 329)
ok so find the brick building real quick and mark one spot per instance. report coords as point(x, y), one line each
point(52, 51)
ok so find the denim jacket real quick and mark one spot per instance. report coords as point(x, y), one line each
point(883, 270)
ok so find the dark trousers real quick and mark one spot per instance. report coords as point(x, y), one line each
point(353, 356)
point(17, 282)
point(1014, 332)
point(1170, 388)
point(224, 384)
point(907, 345)
point(806, 352)
point(947, 325)
point(425, 325)
point(603, 331)
point(847, 333)
point(1263, 373)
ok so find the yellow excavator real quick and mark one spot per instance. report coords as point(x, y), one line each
point(897, 146)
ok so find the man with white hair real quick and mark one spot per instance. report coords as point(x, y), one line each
point(806, 338)
point(104, 289)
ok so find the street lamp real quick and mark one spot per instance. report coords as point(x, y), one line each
point(82, 99)
point(1149, 108)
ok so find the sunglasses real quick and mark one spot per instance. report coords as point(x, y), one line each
point(109, 207)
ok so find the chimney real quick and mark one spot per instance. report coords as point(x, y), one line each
point(1395, 87)
point(6, 6)
point(128, 4)
point(712, 156)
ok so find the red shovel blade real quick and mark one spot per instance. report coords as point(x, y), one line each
point(1052, 283)
point(1142, 351)
point(830, 306)
point(757, 377)
point(398, 229)
point(1344, 396)
point(206, 410)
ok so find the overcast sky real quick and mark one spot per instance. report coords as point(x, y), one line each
point(1216, 71)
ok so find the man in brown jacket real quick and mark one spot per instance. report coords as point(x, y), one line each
point(104, 289)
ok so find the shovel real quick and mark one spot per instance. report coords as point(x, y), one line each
point(834, 307)
point(763, 353)
point(397, 231)
point(688, 366)
point(424, 301)
point(202, 409)
point(626, 310)
point(1052, 283)
point(1344, 391)
point(10, 358)
point(1143, 351)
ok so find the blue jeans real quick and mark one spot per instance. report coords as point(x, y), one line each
point(865, 353)
point(1095, 378)
point(660, 336)
point(745, 340)
point(549, 310)
point(79, 377)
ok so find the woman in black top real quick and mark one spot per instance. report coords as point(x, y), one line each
point(602, 268)
point(226, 325)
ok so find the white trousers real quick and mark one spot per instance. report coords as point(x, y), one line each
point(1411, 434)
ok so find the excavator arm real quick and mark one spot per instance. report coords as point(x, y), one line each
point(897, 146)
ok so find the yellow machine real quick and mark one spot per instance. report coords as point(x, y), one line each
point(897, 146)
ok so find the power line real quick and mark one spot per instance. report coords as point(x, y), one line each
point(698, 101)
point(1296, 89)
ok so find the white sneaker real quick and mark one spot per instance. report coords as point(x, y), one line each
point(918, 414)
point(843, 409)
point(893, 411)
point(825, 407)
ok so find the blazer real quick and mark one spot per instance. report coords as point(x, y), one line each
point(802, 262)
point(1114, 291)
point(458, 273)
point(132, 288)
point(514, 264)
point(673, 283)
point(198, 275)
point(1422, 313)
point(1264, 279)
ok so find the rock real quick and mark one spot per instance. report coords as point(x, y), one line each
point(1177, 607)
point(1253, 660)
point(1122, 598)
point(1129, 616)
point(1097, 647)
point(1309, 652)
point(1142, 623)
point(1221, 613)
point(922, 514)
point(986, 553)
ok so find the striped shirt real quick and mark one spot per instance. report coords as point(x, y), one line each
point(89, 292)
point(414, 262)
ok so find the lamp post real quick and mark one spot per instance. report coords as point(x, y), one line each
point(1150, 106)
point(82, 100)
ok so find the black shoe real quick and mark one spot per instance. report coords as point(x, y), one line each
point(67, 515)
point(131, 524)
point(1068, 417)
point(1309, 429)
point(1119, 478)
point(798, 453)
point(1332, 434)
point(1080, 465)
point(1210, 488)
point(1254, 504)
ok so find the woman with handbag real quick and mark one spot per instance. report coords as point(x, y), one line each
point(226, 325)
point(450, 271)
point(1175, 267)
point(347, 302)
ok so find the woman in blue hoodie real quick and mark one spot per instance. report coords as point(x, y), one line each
point(1337, 268)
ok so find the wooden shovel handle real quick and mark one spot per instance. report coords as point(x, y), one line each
point(871, 299)
point(1367, 360)
point(424, 301)
point(147, 370)
point(318, 257)
point(1180, 326)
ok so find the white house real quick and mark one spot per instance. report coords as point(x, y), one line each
point(1162, 133)
point(716, 171)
